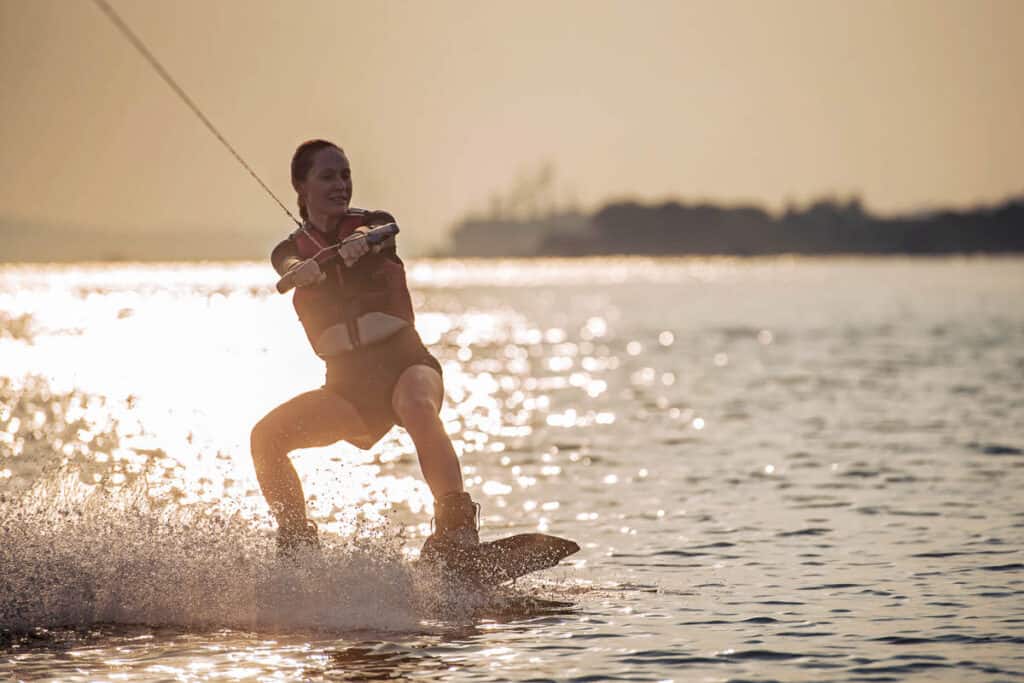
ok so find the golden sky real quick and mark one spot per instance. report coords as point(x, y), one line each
point(910, 104)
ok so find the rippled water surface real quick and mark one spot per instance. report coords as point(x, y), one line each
point(777, 470)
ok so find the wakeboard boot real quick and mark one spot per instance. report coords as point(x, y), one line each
point(455, 544)
point(295, 539)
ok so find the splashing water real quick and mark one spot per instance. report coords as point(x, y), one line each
point(76, 555)
point(93, 534)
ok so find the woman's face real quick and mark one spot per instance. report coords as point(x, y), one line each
point(327, 189)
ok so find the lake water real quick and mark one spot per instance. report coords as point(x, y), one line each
point(777, 469)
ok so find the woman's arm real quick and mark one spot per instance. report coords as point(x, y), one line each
point(285, 255)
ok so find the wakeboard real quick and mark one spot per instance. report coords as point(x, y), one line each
point(506, 559)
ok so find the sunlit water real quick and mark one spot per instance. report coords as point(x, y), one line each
point(777, 470)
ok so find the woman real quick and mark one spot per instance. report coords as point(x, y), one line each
point(358, 316)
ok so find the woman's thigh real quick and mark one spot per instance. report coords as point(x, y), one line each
point(314, 418)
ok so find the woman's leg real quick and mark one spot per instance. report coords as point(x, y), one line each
point(417, 400)
point(315, 418)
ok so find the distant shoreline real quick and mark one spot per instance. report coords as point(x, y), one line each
point(825, 227)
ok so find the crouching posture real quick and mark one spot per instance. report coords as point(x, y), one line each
point(357, 314)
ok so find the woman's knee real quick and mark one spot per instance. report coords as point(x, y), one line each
point(416, 408)
point(267, 440)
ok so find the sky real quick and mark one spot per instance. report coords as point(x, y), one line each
point(440, 105)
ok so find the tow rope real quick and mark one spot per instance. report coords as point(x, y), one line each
point(144, 51)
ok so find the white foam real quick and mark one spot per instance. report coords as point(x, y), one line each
point(74, 554)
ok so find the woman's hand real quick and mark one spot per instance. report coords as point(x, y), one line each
point(354, 246)
point(308, 273)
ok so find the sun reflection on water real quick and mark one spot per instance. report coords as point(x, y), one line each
point(184, 359)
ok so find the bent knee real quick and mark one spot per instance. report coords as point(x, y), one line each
point(417, 409)
point(267, 440)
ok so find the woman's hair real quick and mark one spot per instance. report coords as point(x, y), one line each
point(302, 162)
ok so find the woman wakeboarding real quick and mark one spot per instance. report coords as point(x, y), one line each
point(358, 316)
point(352, 300)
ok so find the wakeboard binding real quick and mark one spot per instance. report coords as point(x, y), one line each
point(456, 550)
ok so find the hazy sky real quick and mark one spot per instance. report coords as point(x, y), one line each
point(439, 104)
